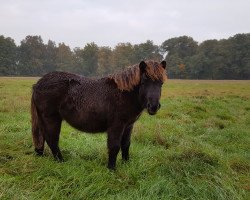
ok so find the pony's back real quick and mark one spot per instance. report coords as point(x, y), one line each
point(55, 82)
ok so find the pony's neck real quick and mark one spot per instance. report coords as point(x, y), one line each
point(136, 97)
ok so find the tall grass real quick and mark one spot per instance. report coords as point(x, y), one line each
point(196, 147)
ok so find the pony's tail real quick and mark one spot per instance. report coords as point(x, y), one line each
point(38, 138)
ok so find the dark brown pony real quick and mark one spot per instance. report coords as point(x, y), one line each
point(111, 104)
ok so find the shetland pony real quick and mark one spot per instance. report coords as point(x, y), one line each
point(111, 104)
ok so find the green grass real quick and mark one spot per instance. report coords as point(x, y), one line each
point(196, 147)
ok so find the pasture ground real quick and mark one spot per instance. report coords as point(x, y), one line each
point(196, 147)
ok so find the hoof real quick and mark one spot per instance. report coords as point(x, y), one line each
point(59, 159)
point(39, 152)
point(111, 168)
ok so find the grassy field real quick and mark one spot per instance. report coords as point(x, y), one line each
point(196, 147)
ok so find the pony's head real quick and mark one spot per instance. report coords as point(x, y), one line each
point(148, 77)
point(152, 77)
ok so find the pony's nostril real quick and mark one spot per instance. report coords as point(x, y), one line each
point(159, 106)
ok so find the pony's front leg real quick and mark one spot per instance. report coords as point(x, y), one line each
point(125, 142)
point(114, 144)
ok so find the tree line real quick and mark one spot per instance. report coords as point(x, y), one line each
point(186, 58)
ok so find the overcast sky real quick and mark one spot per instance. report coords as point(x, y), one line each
point(108, 22)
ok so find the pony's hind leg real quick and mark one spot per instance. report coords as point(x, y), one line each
point(52, 127)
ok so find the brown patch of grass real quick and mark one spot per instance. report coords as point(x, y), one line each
point(240, 167)
point(247, 108)
point(5, 158)
point(224, 117)
point(199, 108)
point(221, 126)
point(192, 154)
point(160, 140)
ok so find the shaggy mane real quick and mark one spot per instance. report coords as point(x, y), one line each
point(130, 77)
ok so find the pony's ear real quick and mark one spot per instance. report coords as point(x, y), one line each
point(142, 66)
point(164, 64)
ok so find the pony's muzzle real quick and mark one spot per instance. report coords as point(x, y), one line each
point(153, 108)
